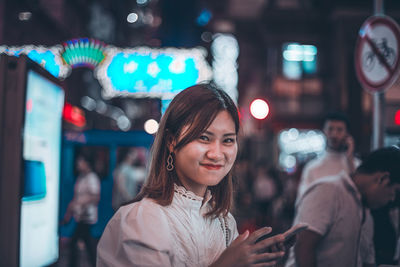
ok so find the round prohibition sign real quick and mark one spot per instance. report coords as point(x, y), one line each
point(377, 53)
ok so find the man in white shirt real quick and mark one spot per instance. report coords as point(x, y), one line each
point(339, 154)
point(334, 209)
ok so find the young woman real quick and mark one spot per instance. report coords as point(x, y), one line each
point(181, 216)
point(83, 207)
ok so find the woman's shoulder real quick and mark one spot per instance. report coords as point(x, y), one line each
point(232, 227)
point(142, 210)
point(144, 202)
point(230, 217)
point(138, 233)
point(144, 219)
point(230, 220)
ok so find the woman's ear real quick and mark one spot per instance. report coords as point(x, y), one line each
point(384, 178)
point(171, 143)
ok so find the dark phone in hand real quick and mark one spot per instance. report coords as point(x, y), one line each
point(261, 238)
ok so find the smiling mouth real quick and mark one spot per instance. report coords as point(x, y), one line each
point(211, 166)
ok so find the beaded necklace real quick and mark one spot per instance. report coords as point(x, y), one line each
point(224, 227)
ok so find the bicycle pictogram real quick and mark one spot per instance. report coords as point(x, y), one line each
point(387, 53)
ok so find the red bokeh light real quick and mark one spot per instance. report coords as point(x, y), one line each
point(397, 117)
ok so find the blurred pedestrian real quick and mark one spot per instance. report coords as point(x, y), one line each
point(265, 188)
point(83, 208)
point(339, 154)
point(386, 234)
point(128, 177)
point(182, 214)
point(334, 209)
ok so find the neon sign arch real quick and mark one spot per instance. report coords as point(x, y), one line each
point(134, 72)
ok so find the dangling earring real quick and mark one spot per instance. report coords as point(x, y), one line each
point(170, 162)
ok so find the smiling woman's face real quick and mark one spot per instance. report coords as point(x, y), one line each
point(206, 160)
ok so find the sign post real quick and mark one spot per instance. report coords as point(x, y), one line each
point(377, 63)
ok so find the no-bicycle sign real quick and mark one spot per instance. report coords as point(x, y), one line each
point(377, 58)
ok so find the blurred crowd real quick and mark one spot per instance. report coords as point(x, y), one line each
point(265, 196)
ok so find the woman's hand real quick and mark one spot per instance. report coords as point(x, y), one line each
point(244, 251)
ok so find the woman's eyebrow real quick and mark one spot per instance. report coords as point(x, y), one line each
point(227, 134)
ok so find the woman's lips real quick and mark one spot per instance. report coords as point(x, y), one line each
point(211, 166)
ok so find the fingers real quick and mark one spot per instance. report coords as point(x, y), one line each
point(272, 248)
point(259, 233)
point(274, 240)
point(290, 242)
point(350, 144)
point(263, 253)
point(264, 264)
point(277, 247)
point(268, 257)
point(350, 139)
point(241, 238)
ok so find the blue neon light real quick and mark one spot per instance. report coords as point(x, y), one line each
point(146, 73)
point(204, 17)
point(164, 105)
point(15, 53)
point(47, 60)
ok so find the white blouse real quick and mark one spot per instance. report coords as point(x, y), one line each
point(145, 233)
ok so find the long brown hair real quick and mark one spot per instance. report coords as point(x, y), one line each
point(197, 107)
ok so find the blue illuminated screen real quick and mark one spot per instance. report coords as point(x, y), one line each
point(41, 156)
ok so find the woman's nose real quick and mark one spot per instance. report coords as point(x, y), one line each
point(215, 151)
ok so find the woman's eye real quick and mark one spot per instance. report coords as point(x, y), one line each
point(204, 138)
point(230, 140)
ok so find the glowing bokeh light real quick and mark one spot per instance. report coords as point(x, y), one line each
point(225, 51)
point(259, 109)
point(151, 126)
point(397, 117)
point(132, 17)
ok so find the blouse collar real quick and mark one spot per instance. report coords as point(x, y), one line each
point(188, 199)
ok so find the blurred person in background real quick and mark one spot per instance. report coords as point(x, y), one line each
point(339, 154)
point(128, 177)
point(387, 232)
point(282, 209)
point(338, 157)
point(334, 208)
point(266, 189)
point(181, 216)
point(83, 208)
point(245, 214)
